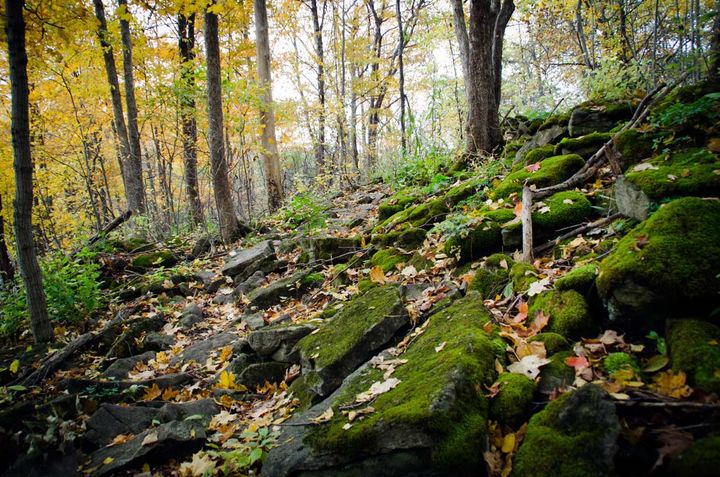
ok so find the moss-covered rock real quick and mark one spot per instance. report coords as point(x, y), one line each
point(584, 146)
point(580, 278)
point(558, 119)
point(691, 172)
point(492, 276)
point(701, 459)
point(554, 342)
point(695, 349)
point(568, 311)
point(329, 248)
point(132, 244)
point(292, 286)
point(388, 259)
point(513, 402)
point(511, 148)
point(620, 361)
point(438, 404)
point(399, 201)
point(421, 215)
point(460, 192)
point(484, 237)
point(574, 436)
point(156, 258)
point(405, 238)
point(539, 154)
point(522, 275)
point(553, 170)
point(351, 337)
point(634, 145)
point(666, 262)
point(591, 117)
point(556, 374)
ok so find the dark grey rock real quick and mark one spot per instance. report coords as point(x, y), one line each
point(62, 462)
point(253, 281)
point(630, 200)
point(223, 299)
point(277, 342)
point(92, 386)
point(256, 374)
point(588, 119)
point(191, 315)
point(329, 249)
point(120, 368)
point(254, 321)
point(126, 344)
point(247, 261)
point(541, 138)
point(292, 286)
point(200, 351)
point(175, 440)
point(156, 341)
point(240, 362)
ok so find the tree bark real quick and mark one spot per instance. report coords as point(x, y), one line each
point(462, 36)
point(320, 54)
point(7, 271)
point(401, 74)
point(134, 167)
point(714, 53)
point(22, 163)
point(488, 19)
point(228, 221)
point(271, 158)
point(186, 30)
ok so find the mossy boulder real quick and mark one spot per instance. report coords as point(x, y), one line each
point(407, 238)
point(553, 170)
point(513, 402)
point(432, 421)
point(668, 261)
point(574, 436)
point(559, 211)
point(292, 286)
point(511, 148)
point(584, 146)
point(398, 202)
point(554, 342)
point(492, 276)
point(691, 172)
point(620, 361)
point(522, 275)
point(130, 245)
point(569, 312)
point(483, 237)
point(588, 118)
point(329, 248)
point(539, 154)
point(695, 349)
point(462, 191)
point(556, 374)
point(701, 459)
point(156, 258)
point(388, 259)
point(635, 145)
point(351, 337)
point(542, 137)
point(580, 278)
point(421, 216)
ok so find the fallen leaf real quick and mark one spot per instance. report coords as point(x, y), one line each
point(645, 166)
point(107, 460)
point(377, 275)
point(440, 347)
point(641, 241)
point(151, 438)
point(533, 167)
point(169, 394)
point(529, 366)
point(15, 366)
point(409, 272)
point(538, 287)
point(325, 416)
point(518, 209)
point(544, 210)
point(567, 201)
point(671, 384)
point(152, 393)
point(656, 363)
point(508, 443)
point(577, 362)
point(347, 426)
point(200, 466)
point(120, 439)
point(377, 388)
point(227, 381)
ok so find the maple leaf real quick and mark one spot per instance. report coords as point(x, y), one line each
point(671, 384)
point(522, 313)
point(227, 381)
point(529, 366)
point(518, 209)
point(151, 394)
point(169, 394)
point(225, 354)
point(377, 275)
point(577, 362)
point(200, 466)
point(541, 320)
point(533, 167)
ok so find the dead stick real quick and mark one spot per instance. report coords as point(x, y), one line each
point(577, 231)
point(526, 219)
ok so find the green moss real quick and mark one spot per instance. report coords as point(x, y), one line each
point(522, 275)
point(634, 145)
point(511, 148)
point(539, 153)
point(314, 278)
point(512, 404)
point(674, 253)
point(460, 192)
point(556, 374)
point(342, 333)
point(701, 459)
point(619, 361)
point(421, 215)
point(560, 119)
point(366, 284)
point(157, 258)
point(552, 170)
point(690, 172)
point(131, 244)
point(491, 277)
point(398, 202)
point(418, 261)
point(440, 393)
point(484, 237)
point(388, 259)
point(583, 145)
point(554, 343)
point(695, 349)
point(580, 278)
point(301, 389)
point(561, 444)
point(568, 311)
point(405, 238)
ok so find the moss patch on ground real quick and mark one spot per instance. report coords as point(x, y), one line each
point(585, 146)
point(580, 278)
point(491, 277)
point(401, 200)
point(157, 258)
point(388, 259)
point(421, 215)
point(634, 145)
point(674, 253)
point(552, 170)
point(701, 459)
point(440, 394)
point(513, 403)
point(539, 153)
point(522, 275)
point(483, 238)
point(406, 238)
point(695, 349)
point(569, 312)
point(686, 173)
point(554, 342)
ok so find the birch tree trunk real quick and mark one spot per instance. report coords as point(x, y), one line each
point(22, 163)
point(320, 60)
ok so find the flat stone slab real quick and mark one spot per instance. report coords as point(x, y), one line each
point(247, 261)
point(277, 342)
point(120, 368)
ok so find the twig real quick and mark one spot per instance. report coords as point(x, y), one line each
point(526, 219)
point(661, 404)
point(580, 230)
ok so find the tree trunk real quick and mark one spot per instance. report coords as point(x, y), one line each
point(7, 271)
point(319, 52)
point(271, 158)
point(714, 53)
point(134, 168)
point(401, 72)
point(22, 163)
point(118, 117)
point(488, 20)
point(228, 221)
point(186, 29)
point(462, 36)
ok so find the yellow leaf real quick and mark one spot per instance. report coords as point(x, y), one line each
point(162, 358)
point(120, 439)
point(671, 384)
point(169, 394)
point(227, 381)
point(151, 394)
point(508, 443)
point(107, 460)
point(225, 354)
point(377, 275)
point(15, 366)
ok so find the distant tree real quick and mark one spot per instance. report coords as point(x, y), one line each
point(7, 271)
point(23, 165)
point(230, 227)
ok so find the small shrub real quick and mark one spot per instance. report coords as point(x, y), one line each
point(304, 209)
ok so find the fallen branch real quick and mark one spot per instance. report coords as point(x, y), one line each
point(665, 404)
point(526, 220)
point(115, 223)
point(55, 360)
point(577, 231)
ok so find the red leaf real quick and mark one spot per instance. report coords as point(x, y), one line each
point(577, 362)
point(533, 167)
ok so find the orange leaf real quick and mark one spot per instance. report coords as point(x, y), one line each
point(540, 321)
point(577, 362)
point(518, 209)
point(522, 313)
point(151, 394)
point(533, 167)
point(377, 275)
point(169, 394)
